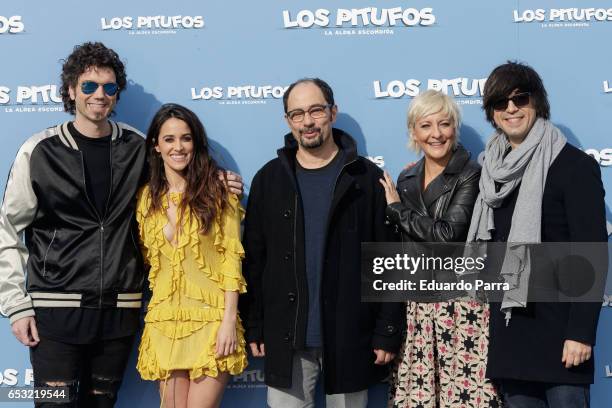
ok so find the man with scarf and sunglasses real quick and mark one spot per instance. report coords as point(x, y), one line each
point(536, 187)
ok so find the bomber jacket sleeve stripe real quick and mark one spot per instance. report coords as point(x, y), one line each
point(17, 212)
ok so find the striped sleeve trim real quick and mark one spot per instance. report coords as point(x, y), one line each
point(21, 315)
point(20, 311)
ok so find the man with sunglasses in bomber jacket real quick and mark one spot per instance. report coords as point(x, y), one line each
point(71, 191)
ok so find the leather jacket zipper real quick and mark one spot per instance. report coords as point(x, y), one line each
point(437, 212)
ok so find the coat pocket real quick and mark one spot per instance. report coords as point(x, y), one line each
point(48, 264)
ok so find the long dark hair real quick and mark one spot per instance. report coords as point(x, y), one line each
point(205, 193)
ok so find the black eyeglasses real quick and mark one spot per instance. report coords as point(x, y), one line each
point(519, 100)
point(315, 112)
point(89, 87)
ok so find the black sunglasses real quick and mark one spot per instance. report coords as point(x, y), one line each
point(89, 87)
point(519, 100)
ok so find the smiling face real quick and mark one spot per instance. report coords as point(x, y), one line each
point(175, 145)
point(515, 122)
point(435, 135)
point(94, 108)
point(310, 133)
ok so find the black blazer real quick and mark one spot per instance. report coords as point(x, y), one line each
point(531, 346)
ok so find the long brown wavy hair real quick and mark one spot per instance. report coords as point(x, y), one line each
point(205, 193)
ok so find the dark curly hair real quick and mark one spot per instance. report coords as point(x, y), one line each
point(84, 56)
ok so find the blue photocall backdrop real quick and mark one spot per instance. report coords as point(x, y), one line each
point(230, 62)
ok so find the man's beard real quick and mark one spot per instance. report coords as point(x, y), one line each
point(311, 143)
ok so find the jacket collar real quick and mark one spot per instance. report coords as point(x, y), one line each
point(441, 184)
point(344, 142)
point(68, 139)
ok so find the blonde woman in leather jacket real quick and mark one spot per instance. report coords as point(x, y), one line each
point(443, 358)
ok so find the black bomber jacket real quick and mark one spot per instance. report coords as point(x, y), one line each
point(74, 257)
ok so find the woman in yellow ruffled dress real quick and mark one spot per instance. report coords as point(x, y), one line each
point(190, 234)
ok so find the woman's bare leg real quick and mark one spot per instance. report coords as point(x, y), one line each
point(207, 392)
point(174, 391)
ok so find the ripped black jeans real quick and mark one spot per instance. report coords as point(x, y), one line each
point(92, 372)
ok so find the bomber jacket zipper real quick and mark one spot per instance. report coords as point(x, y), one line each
point(47, 253)
point(100, 220)
point(110, 189)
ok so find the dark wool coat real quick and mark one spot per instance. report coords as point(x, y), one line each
point(531, 346)
point(275, 309)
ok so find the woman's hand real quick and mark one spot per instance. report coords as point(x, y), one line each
point(226, 338)
point(390, 190)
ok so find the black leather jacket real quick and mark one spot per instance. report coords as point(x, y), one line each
point(441, 213)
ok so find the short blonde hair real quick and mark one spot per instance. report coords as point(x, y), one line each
point(428, 103)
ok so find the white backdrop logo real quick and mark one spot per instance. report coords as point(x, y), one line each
point(362, 21)
point(563, 17)
point(11, 377)
point(607, 87)
point(239, 95)
point(603, 157)
point(11, 25)
point(467, 91)
point(608, 371)
point(147, 25)
point(38, 98)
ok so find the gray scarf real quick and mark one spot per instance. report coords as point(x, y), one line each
point(525, 166)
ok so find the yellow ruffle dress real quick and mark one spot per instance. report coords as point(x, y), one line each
point(188, 281)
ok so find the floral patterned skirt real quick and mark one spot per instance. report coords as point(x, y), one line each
point(443, 360)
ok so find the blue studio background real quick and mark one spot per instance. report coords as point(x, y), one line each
point(230, 61)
